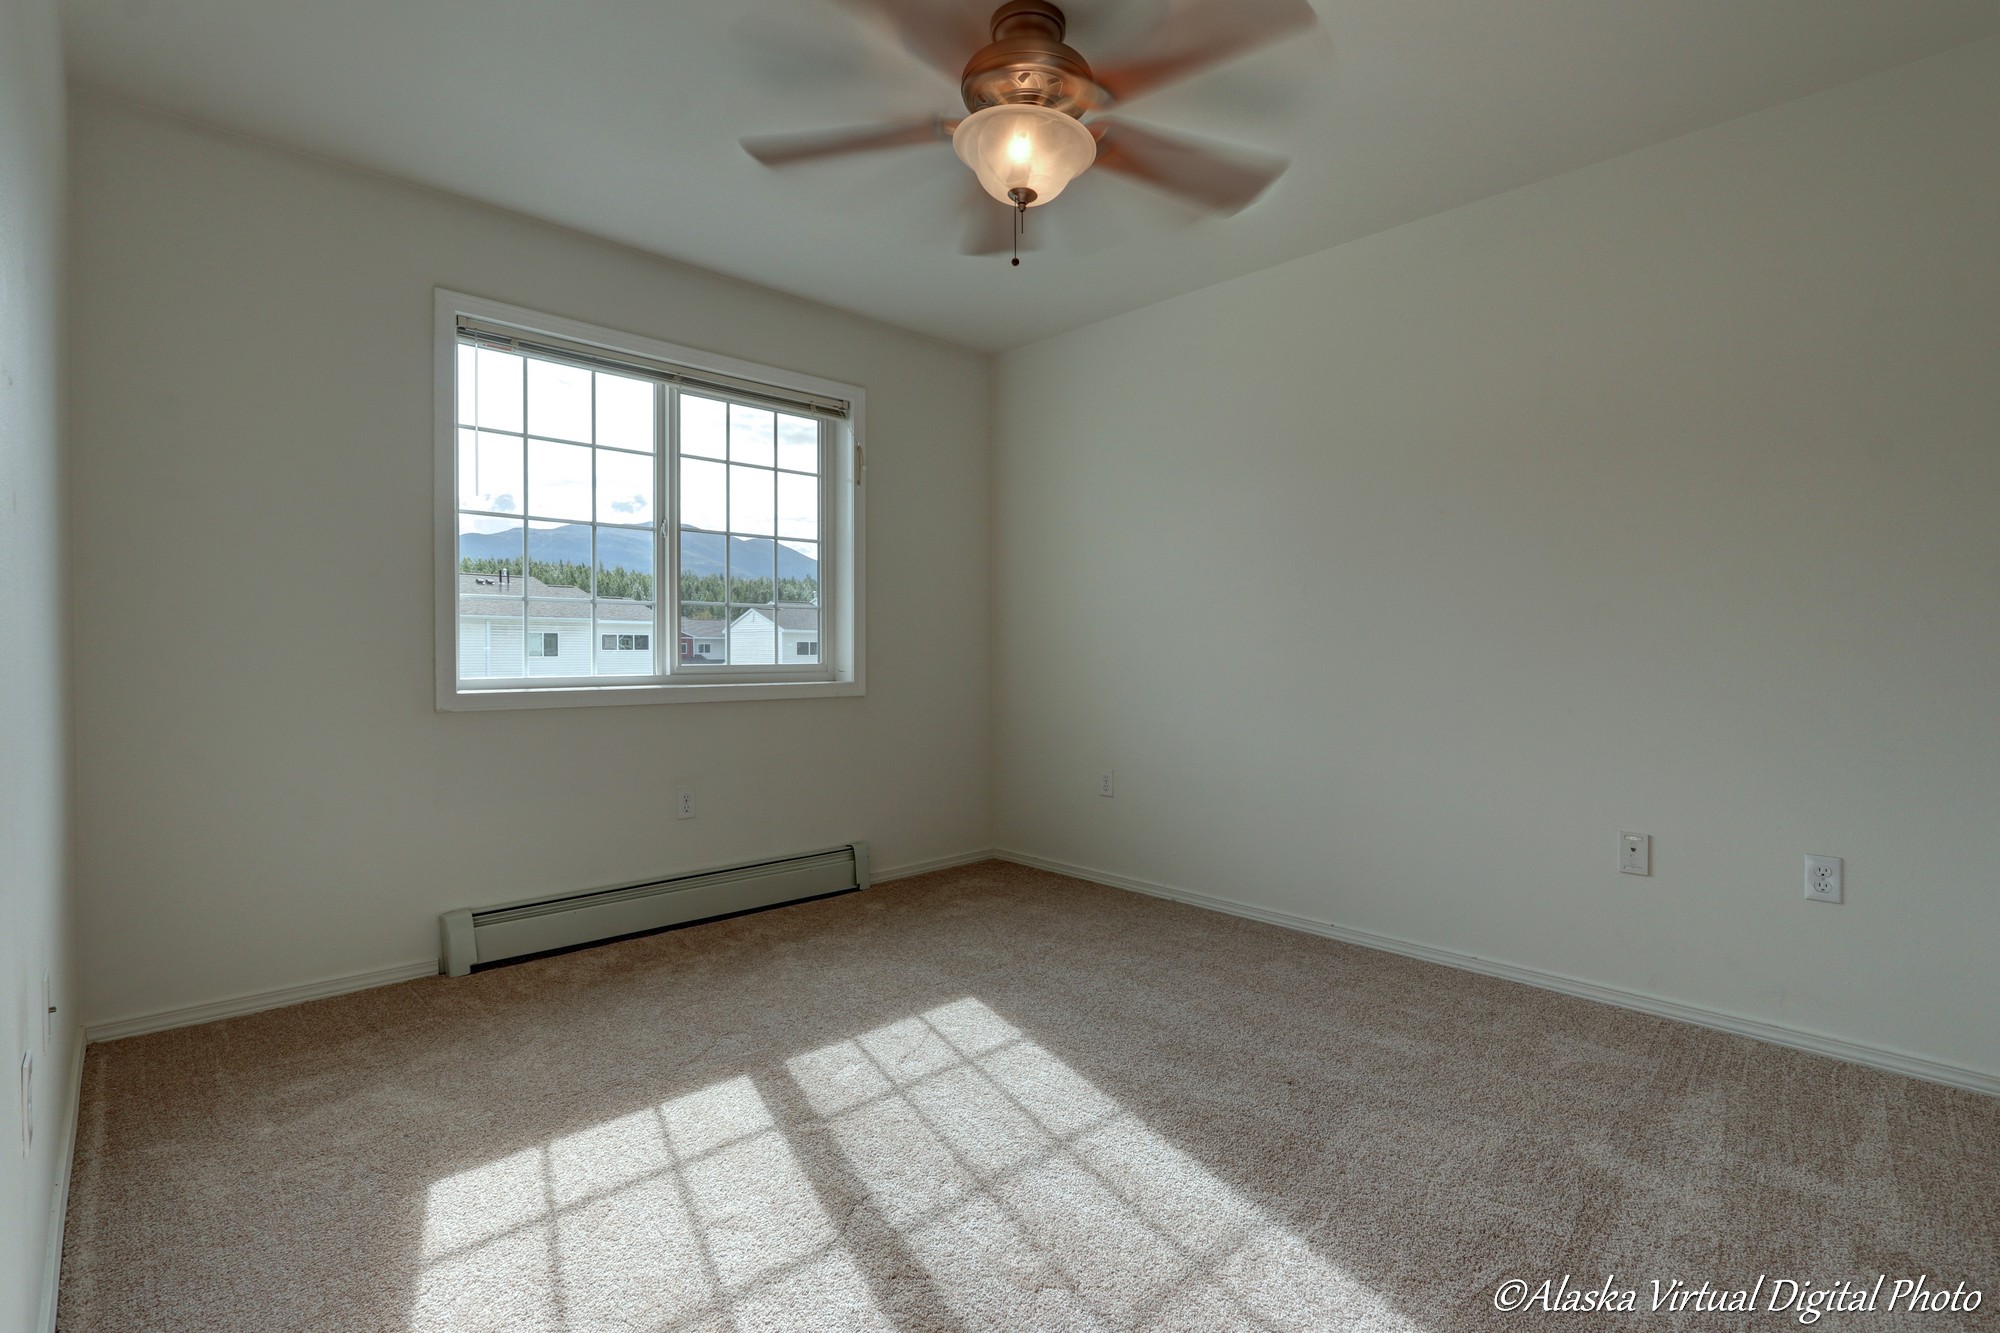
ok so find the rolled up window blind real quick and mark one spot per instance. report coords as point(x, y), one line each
point(504, 339)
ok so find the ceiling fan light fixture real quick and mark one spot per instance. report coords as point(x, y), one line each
point(1022, 152)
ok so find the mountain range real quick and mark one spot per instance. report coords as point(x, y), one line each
point(700, 554)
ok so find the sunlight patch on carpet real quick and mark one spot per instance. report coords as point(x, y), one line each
point(1028, 1197)
point(1022, 1187)
point(693, 1213)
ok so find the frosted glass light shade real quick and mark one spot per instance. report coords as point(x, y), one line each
point(1024, 147)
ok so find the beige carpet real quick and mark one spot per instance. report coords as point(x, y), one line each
point(992, 1098)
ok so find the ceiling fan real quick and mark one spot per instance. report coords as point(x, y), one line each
point(1027, 94)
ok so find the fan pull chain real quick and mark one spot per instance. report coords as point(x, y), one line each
point(1022, 197)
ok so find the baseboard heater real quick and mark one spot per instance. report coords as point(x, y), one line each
point(514, 930)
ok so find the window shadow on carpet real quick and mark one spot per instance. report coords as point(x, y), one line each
point(1024, 1195)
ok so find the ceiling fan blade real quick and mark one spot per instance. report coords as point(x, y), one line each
point(1206, 33)
point(1210, 176)
point(941, 33)
point(782, 150)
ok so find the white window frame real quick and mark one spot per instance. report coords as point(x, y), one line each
point(839, 672)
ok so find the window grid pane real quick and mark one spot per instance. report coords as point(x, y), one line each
point(564, 476)
point(704, 635)
point(538, 595)
point(748, 553)
point(798, 573)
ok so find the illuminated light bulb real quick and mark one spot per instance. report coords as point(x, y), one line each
point(1024, 148)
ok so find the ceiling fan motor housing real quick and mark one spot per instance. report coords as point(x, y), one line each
point(1026, 93)
point(1027, 63)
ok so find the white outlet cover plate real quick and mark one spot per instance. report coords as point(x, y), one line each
point(1823, 876)
point(1107, 783)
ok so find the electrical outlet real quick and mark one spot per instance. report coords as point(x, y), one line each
point(1823, 878)
point(684, 805)
point(1105, 786)
point(1635, 854)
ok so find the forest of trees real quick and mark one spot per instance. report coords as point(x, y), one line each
point(749, 592)
point(615, 581)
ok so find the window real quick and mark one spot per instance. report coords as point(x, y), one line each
point(596, 489)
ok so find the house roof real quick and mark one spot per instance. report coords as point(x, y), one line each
point(789, 617)
point(481, 594)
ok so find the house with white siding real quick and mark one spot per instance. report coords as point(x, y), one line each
point(516, 625)
point(795, 628)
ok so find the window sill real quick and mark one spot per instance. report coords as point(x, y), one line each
point(598, 696)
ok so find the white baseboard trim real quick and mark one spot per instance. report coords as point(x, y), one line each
point(1799, 1039)
point(163, 1020)
point(238, 1005)
point(59, 1197)
point(935, 863)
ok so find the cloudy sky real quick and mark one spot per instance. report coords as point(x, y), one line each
point(587, 455)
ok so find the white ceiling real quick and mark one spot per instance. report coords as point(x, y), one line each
point(620, 117)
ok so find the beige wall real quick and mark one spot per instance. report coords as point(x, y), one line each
point(1393, 582)
point(1663, 495)
point(270, 796)
point(34, 779)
